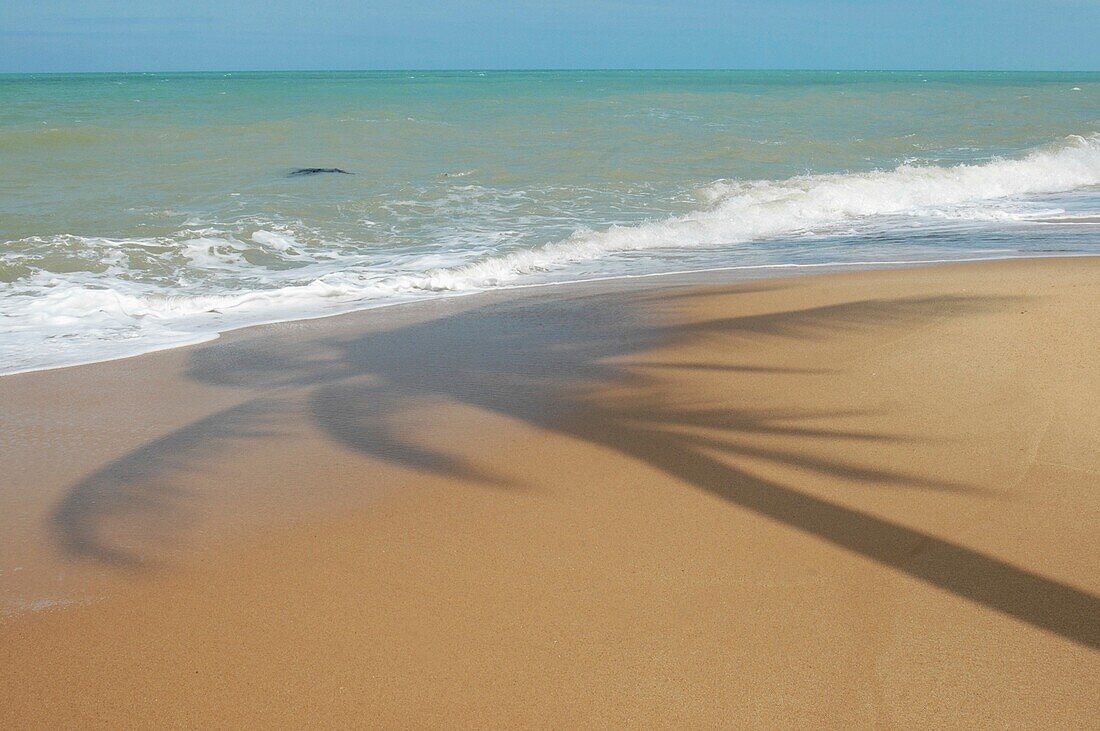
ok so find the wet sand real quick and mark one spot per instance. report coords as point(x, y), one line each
point(864, 499)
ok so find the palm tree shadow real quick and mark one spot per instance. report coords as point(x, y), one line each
point(143, 490)
point(541, 361)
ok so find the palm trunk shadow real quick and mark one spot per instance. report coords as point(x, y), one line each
point(1041, 602)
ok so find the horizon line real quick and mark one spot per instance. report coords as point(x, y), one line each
point(548, 69)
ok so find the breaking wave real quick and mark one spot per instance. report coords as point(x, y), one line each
point(128, 296)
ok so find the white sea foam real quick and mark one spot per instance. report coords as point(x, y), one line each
point(275, 240)
point(206, 279)
point(742, 211)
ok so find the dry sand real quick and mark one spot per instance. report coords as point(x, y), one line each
point(864, 499)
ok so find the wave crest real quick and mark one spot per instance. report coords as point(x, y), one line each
point(744, 211)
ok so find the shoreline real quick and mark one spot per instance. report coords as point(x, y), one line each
point(765, 272)
point(862, 498)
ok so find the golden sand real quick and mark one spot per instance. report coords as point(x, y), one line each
point(863, 499)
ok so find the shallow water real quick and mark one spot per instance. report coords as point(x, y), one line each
point(144, 211)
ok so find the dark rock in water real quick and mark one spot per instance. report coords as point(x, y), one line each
point(317, 171)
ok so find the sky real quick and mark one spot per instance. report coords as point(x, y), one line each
point(225, 35)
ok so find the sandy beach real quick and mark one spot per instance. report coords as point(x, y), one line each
point(861, 499)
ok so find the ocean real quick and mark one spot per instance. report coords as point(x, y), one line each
point(147, 211)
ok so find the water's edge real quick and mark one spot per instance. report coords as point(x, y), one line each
point(706, 276)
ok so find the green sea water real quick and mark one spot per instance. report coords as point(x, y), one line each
point(142, 211)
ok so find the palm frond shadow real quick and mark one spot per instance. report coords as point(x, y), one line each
point(540, 361)
point(142, 489)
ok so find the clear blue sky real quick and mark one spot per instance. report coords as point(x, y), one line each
point(172, 35)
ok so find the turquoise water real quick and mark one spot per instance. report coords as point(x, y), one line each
point(143, 211)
